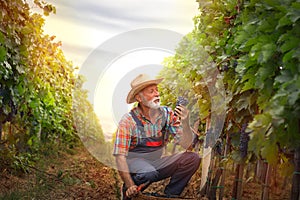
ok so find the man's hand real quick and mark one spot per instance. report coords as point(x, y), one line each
point(132, 191)
point(125, 175)
point(182, 112)
point(186, 138)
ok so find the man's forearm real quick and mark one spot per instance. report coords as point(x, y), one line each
point(124, 170)
point(187, 135)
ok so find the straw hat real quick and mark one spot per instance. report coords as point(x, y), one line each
point(138, 84)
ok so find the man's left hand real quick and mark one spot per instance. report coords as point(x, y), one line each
point(182, 112)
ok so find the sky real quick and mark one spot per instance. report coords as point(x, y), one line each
point(83, 26)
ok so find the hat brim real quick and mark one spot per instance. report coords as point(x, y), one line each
point(134, 91)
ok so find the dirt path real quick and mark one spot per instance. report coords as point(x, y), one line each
point(70, 176)
point(78, 175)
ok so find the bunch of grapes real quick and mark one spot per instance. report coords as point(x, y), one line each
point(219, 146)
point(244, 139)
point(181, 101)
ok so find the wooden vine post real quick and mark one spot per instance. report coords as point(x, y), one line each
point(227, 142)
point(215, 172)
point(210, 175)
point(206, 162)
point(238, 182)
point(266, 183)
point(259, 170)
point(214, 183)
point(0, 131)
point(295, 194)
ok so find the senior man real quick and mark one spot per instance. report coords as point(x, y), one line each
point(140, 139)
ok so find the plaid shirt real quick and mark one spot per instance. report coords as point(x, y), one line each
point(127, 133)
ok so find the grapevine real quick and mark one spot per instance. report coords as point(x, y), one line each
point(36, 88)
point(256, 48)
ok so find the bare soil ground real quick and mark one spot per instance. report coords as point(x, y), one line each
point(78, 175)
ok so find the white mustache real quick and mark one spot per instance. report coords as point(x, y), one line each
point(156, 98)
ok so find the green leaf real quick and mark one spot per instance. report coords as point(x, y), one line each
point(2, 38)
point(250, 84)
point(29, 142)
point(270, 152)
point(2, 54)
point(293, 97)
point(256, 142)
point(293, 131)
point(21, 89)
point(242, 103)
point(265, 72)
point(293, 15)
point(267, 51)
point(296, 54)
point(255, 51)
point(20, 69)
point(284, 77)
point(241, 38)
point(284, 21)
point(250, 42)
point(289, 44)
point(288, 56)
point(296, 5)
point(236, 157)
point(284, 37)
point(265, 26)
point(262, 121)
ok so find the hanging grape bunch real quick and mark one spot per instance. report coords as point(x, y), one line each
point(244, 139)
point(218, 147)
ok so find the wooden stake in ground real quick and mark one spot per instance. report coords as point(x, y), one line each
point(206, 159)
point(238, 183)
point(224, 167)
point(266, 184)
point(295, 195)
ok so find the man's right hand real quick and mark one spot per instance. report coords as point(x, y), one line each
point(132, 191)
point(125, 175)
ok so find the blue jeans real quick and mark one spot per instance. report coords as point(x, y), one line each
point(180, 167)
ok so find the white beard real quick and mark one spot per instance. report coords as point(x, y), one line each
point(151, 104)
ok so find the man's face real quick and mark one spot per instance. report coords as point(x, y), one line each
point(150, 97)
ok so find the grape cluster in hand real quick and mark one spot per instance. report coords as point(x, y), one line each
point(181, 101)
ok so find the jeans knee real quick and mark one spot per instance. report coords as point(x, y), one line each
point(151, 176)
point(192, 159)
point(146, 176)
point(195, 157)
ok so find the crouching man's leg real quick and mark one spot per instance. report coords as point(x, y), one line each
point(180, 170)
point(142, 171)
